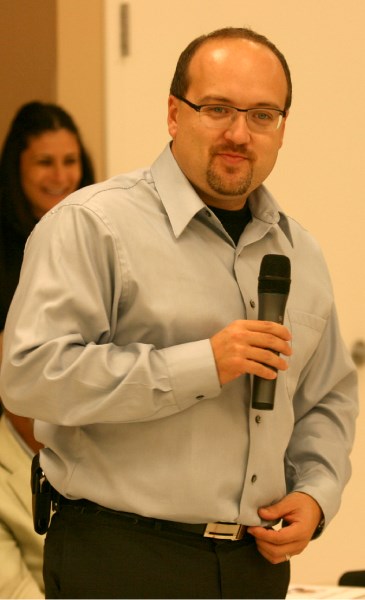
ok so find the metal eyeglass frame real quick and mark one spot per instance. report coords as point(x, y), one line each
point(198, 107)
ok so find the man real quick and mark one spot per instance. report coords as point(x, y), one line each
point(133, 338)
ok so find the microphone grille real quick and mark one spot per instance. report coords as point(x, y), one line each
point(274, 274)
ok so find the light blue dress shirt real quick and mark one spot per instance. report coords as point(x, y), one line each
point(107, 347)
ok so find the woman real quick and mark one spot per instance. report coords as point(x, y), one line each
point(42, 161)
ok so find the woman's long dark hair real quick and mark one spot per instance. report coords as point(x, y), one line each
point(16, 218)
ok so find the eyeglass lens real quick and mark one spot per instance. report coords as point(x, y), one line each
point(258, 119)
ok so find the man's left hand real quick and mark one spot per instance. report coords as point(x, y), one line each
point(301, 514)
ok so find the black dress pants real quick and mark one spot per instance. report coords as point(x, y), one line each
point(93, 553)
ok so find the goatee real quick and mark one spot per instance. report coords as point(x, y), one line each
point(226, 185)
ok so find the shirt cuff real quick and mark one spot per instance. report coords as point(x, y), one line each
point(192, 372)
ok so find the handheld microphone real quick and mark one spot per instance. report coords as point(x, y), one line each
point(273, 291)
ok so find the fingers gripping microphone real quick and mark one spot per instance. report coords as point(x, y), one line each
point(273, 291)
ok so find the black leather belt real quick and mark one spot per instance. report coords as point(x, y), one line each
point(222, 531)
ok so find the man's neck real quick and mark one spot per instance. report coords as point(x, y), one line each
point(233, 221)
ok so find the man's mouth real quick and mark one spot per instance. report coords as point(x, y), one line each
point(232, 157)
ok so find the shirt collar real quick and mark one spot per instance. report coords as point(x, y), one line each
point(182, 203)
point(178, 196)
point(264, 207)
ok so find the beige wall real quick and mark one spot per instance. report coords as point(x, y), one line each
point(80, 70)
point(52, 50)
point(28, 55)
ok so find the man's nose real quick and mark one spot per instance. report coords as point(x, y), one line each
point(238, 131)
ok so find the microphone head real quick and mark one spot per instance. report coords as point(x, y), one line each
point(274, 277)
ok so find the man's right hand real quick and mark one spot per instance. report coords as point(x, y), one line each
point(248, 346)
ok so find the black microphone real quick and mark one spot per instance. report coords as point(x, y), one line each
point(273, 290)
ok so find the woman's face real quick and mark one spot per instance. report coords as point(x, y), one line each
point(50, 169)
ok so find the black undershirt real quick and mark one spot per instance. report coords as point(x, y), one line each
point(233, 221)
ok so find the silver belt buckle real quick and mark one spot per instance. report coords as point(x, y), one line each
point(225, 531)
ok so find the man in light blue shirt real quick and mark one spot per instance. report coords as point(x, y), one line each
point(133, 338)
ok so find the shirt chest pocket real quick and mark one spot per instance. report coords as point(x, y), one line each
point(306, 330)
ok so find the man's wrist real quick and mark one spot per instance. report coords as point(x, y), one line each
point(318, 530)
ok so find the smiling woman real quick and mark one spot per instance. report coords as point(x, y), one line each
point(50, 169)
point(42, 161)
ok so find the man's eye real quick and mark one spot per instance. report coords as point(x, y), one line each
point(217, 111)
point(263, 115)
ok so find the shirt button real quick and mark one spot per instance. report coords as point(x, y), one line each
point(258, 419)
point(252, 304)
point(253, 478)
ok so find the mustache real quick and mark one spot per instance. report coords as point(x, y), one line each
point(239, 149)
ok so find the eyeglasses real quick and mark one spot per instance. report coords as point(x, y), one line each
point(219, 116)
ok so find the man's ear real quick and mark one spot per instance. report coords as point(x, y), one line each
point(172, 115)
point(282, 128)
